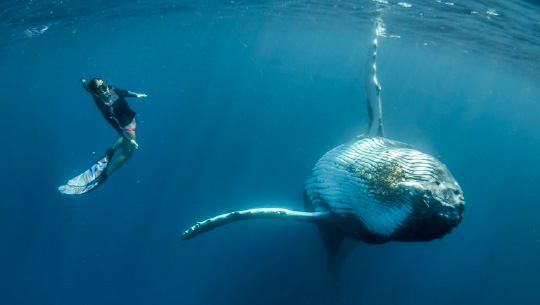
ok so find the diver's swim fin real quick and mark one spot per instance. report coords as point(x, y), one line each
point(90, 179)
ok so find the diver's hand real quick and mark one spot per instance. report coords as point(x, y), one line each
point(141, 95)
point(85, 86)
point(134, 143)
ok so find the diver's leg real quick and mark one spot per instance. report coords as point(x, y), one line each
point(118, 143)
point(127, 151)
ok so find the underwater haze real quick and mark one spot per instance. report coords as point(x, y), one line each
point(243, 98)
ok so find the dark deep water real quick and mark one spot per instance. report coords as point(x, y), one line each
point(242, 100)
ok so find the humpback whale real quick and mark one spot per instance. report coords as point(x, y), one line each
point(372, 189)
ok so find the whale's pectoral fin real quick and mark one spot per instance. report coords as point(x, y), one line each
point(257, 213)
point(338, 247)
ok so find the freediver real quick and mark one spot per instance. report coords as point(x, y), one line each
point(115, 109)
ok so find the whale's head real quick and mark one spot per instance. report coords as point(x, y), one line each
point(438, 204)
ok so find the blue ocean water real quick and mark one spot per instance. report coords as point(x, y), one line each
point(243, 98)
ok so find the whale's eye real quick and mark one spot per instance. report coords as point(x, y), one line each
point(438, 182)
point(456, 192)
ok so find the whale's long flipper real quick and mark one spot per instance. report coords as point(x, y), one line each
point(260, 213)
point(373, 88)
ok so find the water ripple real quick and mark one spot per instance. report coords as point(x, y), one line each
point(508, 29)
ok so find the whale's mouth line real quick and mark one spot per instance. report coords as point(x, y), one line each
point(450, 215)
point(446, 208)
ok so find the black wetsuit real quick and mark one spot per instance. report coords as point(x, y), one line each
point(119, 115)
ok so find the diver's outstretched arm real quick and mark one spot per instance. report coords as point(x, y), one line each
point(127, 93)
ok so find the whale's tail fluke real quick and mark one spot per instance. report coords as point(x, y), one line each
point(258, 213)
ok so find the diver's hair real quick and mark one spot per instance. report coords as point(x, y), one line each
point(92, 85)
